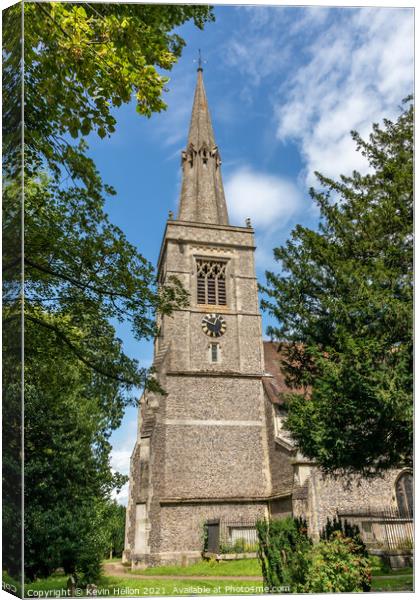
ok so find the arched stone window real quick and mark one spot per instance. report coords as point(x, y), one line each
point(211, 282)
point(404, 493)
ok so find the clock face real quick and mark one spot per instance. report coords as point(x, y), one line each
point(213, 325)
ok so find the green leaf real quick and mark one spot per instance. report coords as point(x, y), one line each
point(86, 127)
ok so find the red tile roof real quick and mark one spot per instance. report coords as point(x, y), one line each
point(273, 381)
point(274, 378)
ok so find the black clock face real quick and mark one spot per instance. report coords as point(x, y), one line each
point(213, 325)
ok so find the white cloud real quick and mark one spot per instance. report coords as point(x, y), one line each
point(264, 256)
point(268, 200)
point(256, 56)
point(326, 72)
point(312, 16)
point(122, 497)
point(121, 453)
point(357, 72)
point(271, 202)
point(120, 459)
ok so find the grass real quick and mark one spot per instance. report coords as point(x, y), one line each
point(380, 567)
point(116, 559)
point(126, 586)
point(245, 567)
point(249, 567)
point(383, 580)
point(402, 583)
point(11, 585)
point(388, 571)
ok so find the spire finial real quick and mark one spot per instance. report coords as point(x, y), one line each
point(200, 61)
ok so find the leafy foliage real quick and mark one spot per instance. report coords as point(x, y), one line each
point(11, 451)
point(348, 531)
point(83, 61)
point(70, 412)
point(283, 553)
point(337, 565)
point(81, 273)
point(115, 524)
point(88, 61)
point(343, 304)
point(288, 559)
point(12, 362)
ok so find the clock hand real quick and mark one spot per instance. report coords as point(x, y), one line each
point(209, 322)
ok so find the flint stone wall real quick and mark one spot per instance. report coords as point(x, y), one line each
point(182, 525)
point(327, 495)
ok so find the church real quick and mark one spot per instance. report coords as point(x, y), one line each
point(212, 453)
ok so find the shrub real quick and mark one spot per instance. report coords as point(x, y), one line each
point(239, 545)
point(379, 565)
point(347, 529)
point(338, 565)
point(283, 552)
point(242, 545)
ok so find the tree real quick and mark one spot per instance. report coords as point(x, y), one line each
point(343, 304)
point(81, 62)
point(12, 519)
point(82, 268)
point(115, 520)
point(70, 413)
point(283, 548)
point(86, 62)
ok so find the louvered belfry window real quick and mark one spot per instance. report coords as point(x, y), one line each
point(211, 282)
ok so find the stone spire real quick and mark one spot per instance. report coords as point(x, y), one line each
point(202, 196)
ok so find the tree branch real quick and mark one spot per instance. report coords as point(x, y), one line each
point(77, 352)
point(76, 282)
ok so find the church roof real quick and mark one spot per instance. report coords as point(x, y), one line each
point(202, 195)
point(274, 379)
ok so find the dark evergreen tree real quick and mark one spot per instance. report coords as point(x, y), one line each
point(343, 303)
point(347, 529)
point(283, 551)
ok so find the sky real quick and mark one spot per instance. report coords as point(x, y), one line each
point(285, 86)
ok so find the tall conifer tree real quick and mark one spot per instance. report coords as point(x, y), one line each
point(343, 302)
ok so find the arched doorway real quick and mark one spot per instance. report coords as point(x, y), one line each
point(404, 493)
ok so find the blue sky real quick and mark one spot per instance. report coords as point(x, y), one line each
point(285, 86)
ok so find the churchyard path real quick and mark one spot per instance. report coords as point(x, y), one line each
point(119, 569)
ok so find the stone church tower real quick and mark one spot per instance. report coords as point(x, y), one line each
point(202, 450)
point(215, 448)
